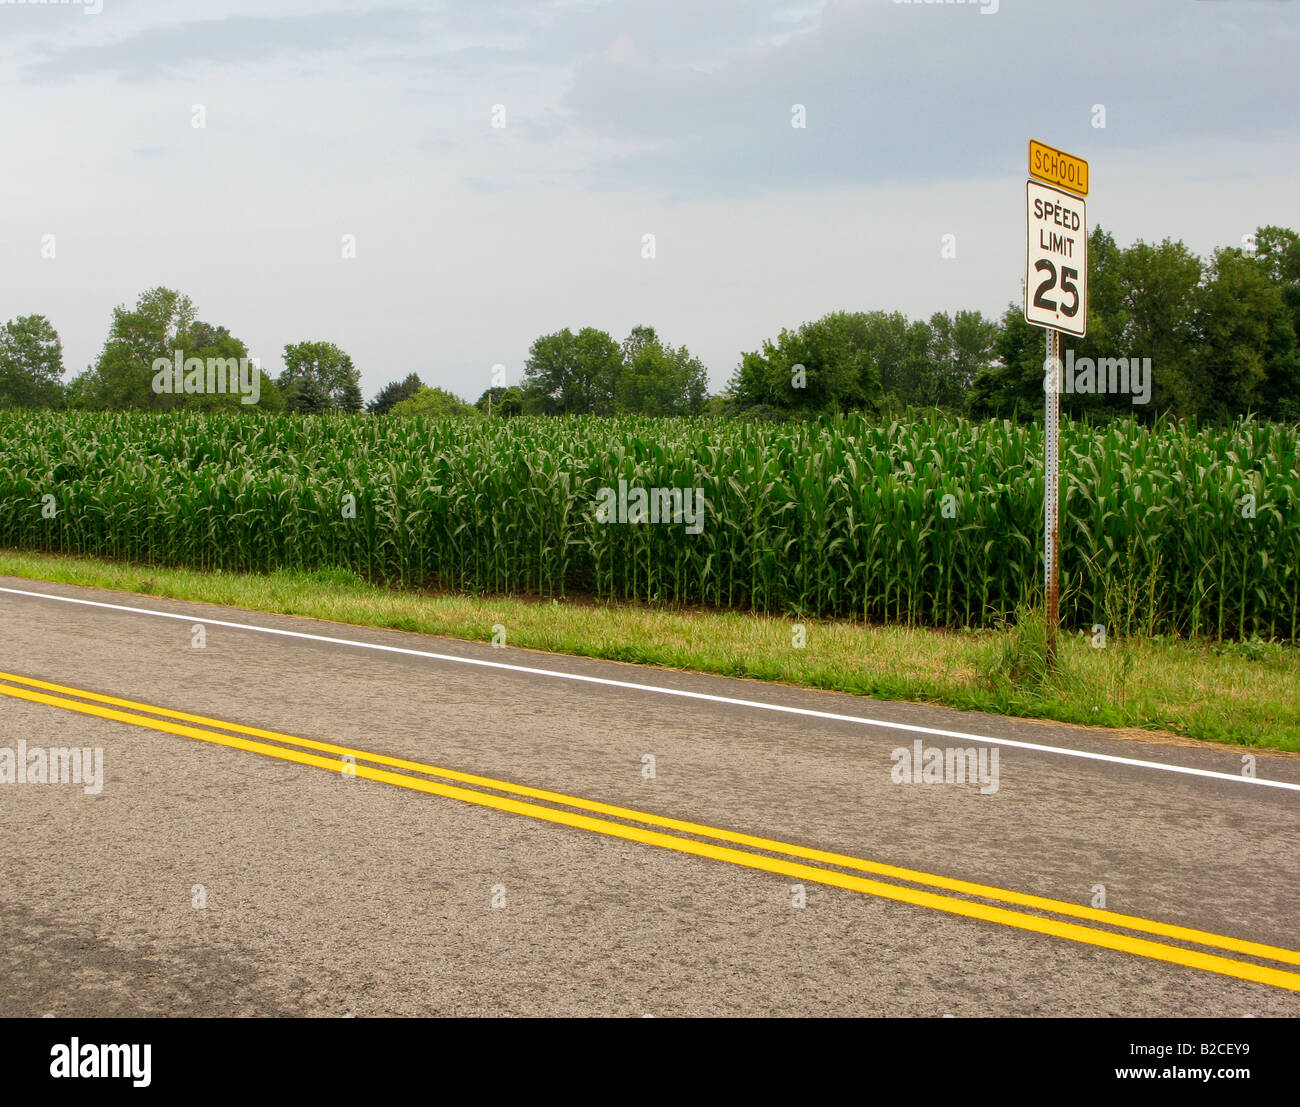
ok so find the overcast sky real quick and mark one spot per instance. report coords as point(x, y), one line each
point(622, 119)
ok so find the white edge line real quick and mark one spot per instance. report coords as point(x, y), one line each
point(680, 692)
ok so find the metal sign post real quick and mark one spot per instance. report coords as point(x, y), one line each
point(1056, 298)
point(1051, 492)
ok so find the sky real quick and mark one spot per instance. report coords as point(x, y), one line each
point(494, 166)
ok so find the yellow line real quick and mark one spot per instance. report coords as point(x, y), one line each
point(1122, 942)
point(983, 891)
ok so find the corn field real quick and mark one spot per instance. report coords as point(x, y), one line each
point(934, 520)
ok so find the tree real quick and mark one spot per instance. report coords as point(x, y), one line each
point(657, 379)
point(436, 403)
point(349, 396)
point(1245, 341)
point(317, 377)
point(1277, 253)
point(31, 363)
point(501, 400)
point(205, 341)
point(163, 326)
point(900, 351)
point(394, 393)
point(832, 364)
point(960, 349)
point(572, 374)
point(1109, 330)
point(721, 405)
point(1156, 321)
point(1140, 305)
point(122, 377)
point(1012, 387)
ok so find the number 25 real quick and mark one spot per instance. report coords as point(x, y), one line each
point(1068, 277)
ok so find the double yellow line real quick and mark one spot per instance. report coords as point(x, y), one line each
point(788, 861)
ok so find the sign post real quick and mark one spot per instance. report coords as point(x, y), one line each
point(1056, 297)
point(1051, 494)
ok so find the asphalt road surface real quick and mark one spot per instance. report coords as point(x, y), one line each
point(702, 857)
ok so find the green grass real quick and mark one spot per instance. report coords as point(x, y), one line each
point(1243, 693)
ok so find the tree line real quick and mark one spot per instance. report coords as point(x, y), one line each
point(1221, 333)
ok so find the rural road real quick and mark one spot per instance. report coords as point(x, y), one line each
point(325, 893)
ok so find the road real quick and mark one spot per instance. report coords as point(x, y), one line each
point(228, 867)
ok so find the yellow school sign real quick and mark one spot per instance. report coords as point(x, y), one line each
point(1056, 167)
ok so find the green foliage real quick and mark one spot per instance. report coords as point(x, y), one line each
point(1253, 648)
point(572, 374)
point(31, 363)
point(1013, 387)
point(205, 341)
point(931, 520)
point(960, 348)
point(500, 400)
point(1156, 318)
point(434, 403)
point(394, 393)
point(829, 365)
point(656, 379)
point(1017, 664)
point(162, 323)
point(319, 377)
point(1246, 346)
point(869, 361)
point(588, 373)
point(897, 352)
point(123, 375)
point(1221, 336)
point(1277, 253)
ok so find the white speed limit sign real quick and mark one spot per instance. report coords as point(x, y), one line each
point(1056, 258)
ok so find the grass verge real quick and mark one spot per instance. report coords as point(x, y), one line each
point(1245, 694)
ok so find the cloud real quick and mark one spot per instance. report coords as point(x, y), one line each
point(920, 93)
point(238, 40)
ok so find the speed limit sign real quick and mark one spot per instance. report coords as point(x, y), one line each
point(1056, 297)
point(1056, 258)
